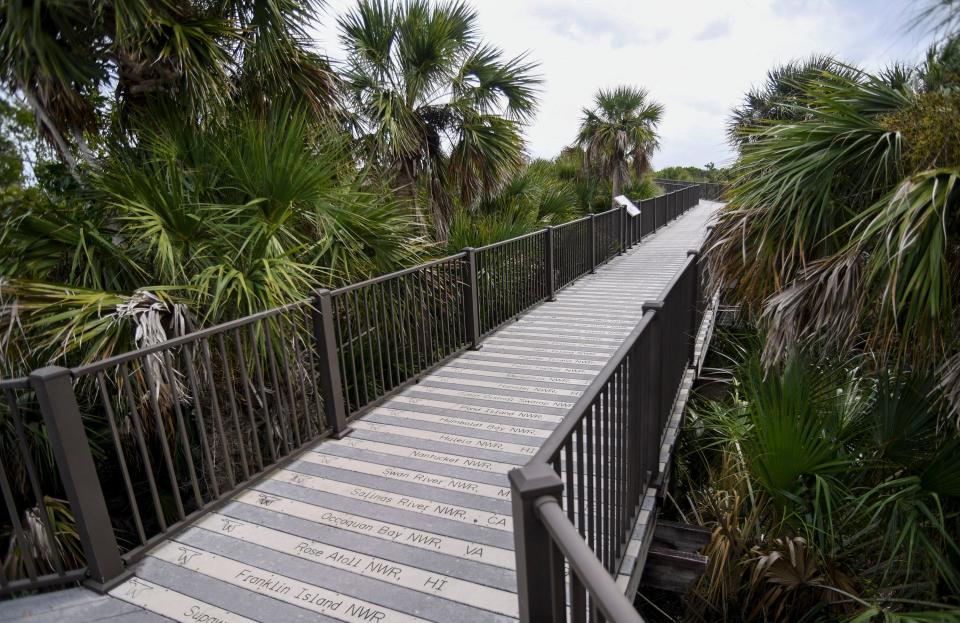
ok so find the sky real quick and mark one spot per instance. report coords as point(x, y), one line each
point(696, 57)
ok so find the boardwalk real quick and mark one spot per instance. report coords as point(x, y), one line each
point(408, 518)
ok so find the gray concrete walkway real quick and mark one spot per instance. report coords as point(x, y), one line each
point(408, 518)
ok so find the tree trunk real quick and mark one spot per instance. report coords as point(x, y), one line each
point(615, 188)
point(44, 120)
point(407, 189)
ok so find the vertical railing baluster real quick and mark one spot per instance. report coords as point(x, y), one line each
point(634, 423)
point(393, 355)
point(18, 533)
point(246, 381)
point(349, 341)
point(231, 398)
point(303, 368)
point(369, 335)
point(32, 477)
point(133, 415)
point(215, 411)
point(122, 460)
point(376, 357)
point(283, 414)
point(153, 390)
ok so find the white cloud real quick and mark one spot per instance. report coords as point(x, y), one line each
point(697, 57)
point(715, 30)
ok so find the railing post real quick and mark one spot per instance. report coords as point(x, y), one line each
point(652, 392)
point(549, 276)
point(622, 229)
point(71, 451)
point(331, 381)
point(694, 306)
point(541, 585)
point(471, 297)
point(593, 243)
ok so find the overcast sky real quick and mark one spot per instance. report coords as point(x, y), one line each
point(697, 57)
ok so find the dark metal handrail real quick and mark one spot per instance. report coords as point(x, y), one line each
point(575, 503)
point(193, 336)
point(585, 569)
point(194, 418)
point(495, 245)
point(396, 274)
point(708, 190)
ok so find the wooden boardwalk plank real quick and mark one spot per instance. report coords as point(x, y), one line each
point(408, 518)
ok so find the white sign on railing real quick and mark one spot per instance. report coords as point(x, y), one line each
point(622, 201)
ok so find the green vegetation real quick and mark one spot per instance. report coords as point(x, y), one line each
point(534, 198)
point(619, 134)
point(831, 487)
point(830, 471)
point(93, 73)
point(144, 174)
point(433, 105)
point(182, 199)
point(848, 215)
point(193, 228)
point(709, 173)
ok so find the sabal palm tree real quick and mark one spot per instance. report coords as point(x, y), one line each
point(842, 223)
point(777, 98)
point(433, 104)
point(202, 224)
point(619, 134)
point(193, 56)
point(532, 199)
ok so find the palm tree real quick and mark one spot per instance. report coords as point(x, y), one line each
point(841, 228)
point(193, 56)
point(777, 98)
point(193, 226)
point(619, 134)
point(532, 199)
point(821, 477)
point(433, 104)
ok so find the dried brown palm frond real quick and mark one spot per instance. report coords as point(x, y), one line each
point(788, 578)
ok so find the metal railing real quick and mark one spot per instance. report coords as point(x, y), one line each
point(711, 191)
point(137, 445)
point(575, 503)
point(391, 329)
point(511, 278)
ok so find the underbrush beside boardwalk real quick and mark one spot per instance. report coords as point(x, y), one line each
point(832, 488)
